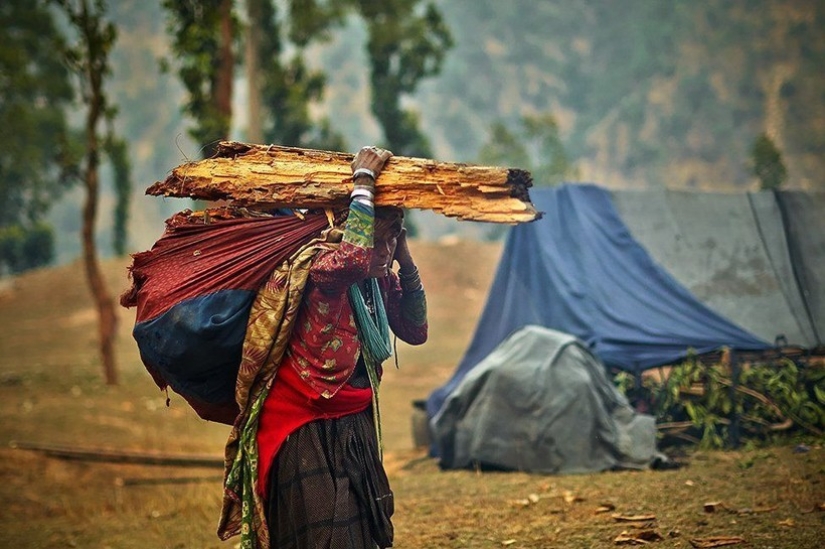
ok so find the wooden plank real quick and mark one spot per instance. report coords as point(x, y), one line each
point(270, 176)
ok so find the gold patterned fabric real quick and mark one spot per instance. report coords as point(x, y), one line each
point(271, 321)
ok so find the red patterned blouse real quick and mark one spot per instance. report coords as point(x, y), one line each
point(323, 352)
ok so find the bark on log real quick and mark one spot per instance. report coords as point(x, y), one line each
point(261, 177)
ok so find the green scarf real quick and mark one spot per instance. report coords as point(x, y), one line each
point(373, 333)
point(374, 336)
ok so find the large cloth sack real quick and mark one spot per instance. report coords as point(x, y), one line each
point(193, 291)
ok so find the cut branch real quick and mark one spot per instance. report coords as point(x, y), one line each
point(262, 177)
point(120, 456)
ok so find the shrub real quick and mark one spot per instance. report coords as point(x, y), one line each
point(717, 405)
point(24, 248)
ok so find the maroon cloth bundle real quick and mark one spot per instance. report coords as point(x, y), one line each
point(193, 291)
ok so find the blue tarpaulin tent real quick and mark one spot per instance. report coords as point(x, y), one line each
point(580, 271)
point(630, 279)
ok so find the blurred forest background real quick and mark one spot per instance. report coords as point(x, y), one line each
point(631, 93)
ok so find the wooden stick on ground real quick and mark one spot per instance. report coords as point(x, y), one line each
point(120, 456)
point(261, 176)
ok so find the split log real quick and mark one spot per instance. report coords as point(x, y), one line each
point(265, 177)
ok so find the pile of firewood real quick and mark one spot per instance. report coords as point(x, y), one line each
point(268, 177)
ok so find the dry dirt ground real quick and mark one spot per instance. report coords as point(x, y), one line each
point(51, 393)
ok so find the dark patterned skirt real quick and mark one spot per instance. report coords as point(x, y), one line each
point(328, 488)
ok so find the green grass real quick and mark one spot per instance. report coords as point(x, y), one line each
point(51, 393)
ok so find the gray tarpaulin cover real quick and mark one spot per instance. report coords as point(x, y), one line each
point(541, 402)
point(758, 259)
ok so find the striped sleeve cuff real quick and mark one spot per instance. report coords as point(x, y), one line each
point(360, 227)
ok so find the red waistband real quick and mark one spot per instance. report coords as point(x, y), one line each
point(292, 403)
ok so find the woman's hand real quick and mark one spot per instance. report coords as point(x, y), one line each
point(366, 166)
point(407, 272)
point(402, 252)
point(372, 159)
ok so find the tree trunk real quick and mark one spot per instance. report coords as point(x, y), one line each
point(107, 319)
point(226, 60)
point(263, 177)
point(254, 132)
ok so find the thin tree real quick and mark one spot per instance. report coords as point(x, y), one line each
point(203, 35)
point(408, 41)
point(89, 58)
point(252, 54)
point(289, 85)
point(118, 153)
point(536, 147)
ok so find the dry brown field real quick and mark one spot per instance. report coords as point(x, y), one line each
point(51, 393)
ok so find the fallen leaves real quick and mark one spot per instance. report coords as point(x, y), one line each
point(570, 497)
point(715, 541)
point(713, 506)
point(638, 538)
point(639, 526)
point(567, 496)
point(755, 510)
point(815, 508)
point(531, 499)
point(633, 518)
point(644, 532)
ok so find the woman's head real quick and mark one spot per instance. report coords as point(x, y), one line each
point(389, 222)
